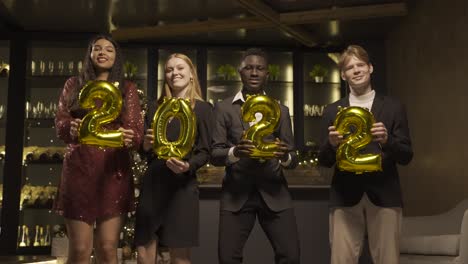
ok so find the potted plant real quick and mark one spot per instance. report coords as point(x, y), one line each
point(231, 71)
point(226, 72)
point(274, 71)
point(318, 72)
point(221, 72)
point(130, 70)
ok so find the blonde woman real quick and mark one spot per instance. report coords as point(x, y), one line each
point(168, 210)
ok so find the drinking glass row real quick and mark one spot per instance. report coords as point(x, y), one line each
point(41, 67)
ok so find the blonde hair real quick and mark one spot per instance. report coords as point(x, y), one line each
point(194, 90)
point(353, 50)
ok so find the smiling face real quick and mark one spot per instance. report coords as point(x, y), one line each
point(103, 55)
point(358, 75)
point(178, 75)
point(254, 73)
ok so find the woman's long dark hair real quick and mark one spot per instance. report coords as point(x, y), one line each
point(88, 73)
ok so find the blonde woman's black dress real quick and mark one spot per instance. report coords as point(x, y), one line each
point(168, 209)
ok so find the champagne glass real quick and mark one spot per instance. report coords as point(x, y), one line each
point(79, 66)
point(41, 67)
point(33, 67)
point(50, 67)
point(60, 67)
point(28, 108)
point(70, 67)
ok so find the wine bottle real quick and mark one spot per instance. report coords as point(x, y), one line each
point(23, 241)
point(47, 238)
point(41, 236)
point(28, 239)
point(36, 237)
point(18, 241)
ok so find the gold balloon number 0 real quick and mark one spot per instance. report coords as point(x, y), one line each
point(271, 112)
point(174, 108)
point(90, 130)
point(347, 156)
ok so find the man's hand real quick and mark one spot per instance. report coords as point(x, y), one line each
point(243, 149)
point(283, 150)
point(379, 133)
point(334, 137)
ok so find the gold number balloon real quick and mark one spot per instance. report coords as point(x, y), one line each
point(347, 156)
point(271, 112)
point(91, 131)
point(174, 108)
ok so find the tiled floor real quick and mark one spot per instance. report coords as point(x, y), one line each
point(27, 259)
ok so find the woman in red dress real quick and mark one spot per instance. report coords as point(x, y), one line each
point(96, 186)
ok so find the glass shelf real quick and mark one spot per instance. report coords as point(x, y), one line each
point(318, 94)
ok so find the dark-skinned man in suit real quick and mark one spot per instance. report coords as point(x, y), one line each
point(253, 188)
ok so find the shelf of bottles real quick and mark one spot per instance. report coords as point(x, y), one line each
point(4, 72)
point(49, 66)
point(321, 87)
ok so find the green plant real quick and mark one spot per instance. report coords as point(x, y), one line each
point(318, 71)
point(130, 70)
point(274, 71)
point(226, 71)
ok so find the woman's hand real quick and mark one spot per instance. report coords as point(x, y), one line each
point(128, 135)
point(177, 166)
point(148, 140)
point(74, 125)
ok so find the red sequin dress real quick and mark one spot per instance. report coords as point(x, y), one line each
point(96, 182)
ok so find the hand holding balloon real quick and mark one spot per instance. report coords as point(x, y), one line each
point(379, 133)
point(282, 151)
point(243, 149)
point(74, 126)
point(128, 135)
point(148, 140)
point(334, 137)
point(177, 166)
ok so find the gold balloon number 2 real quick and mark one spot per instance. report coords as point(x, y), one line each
point(91, 131)
point(348, 157)
point(270, 110)
point(174, 108)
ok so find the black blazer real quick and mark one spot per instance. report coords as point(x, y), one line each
point(246, 175)
point(383, 187)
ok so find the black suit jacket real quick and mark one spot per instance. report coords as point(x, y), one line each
point(382, 187)
point(246, 175)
